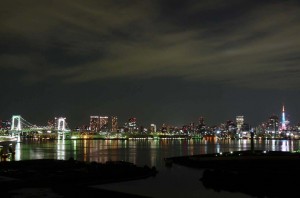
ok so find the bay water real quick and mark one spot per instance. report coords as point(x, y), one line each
point(177, 181)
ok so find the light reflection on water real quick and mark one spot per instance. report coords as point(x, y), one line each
point(168, 182)
point(61, 149)
point(140, 152)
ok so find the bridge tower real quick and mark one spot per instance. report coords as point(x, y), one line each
point(61, 127)
point(16, 123)
point(61, 124)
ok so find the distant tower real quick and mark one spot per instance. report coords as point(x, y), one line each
point(283, 121)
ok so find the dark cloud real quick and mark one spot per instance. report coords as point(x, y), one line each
point(249, 45)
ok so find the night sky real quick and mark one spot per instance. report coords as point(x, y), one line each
point(165, 61)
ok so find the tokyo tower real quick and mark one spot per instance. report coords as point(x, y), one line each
point(283, 121)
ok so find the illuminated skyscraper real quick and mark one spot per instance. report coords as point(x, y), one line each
point(132, 124)
point(114, 124)
point(239, 122)
point(103, 120)
point(94, 123)
point(98, 123)
point(153, 128)
point(273, 124)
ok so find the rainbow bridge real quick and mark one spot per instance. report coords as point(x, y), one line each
point(21, 127)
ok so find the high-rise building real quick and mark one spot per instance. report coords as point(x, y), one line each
point(98, 123)
point(230, 126)
point(103, 120)
point(114, 124)
point(273, 124)
point(132, 124)
point(94, 123)
point(201, 128)
point(239, 122)
point(153, 128)
point(6, 124)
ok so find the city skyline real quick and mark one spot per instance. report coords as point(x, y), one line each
point(96, 122)
point(154, 60)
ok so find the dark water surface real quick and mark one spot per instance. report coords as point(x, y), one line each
point(177, 181)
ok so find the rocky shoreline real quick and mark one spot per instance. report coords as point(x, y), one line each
point(240, 160)
point(254, 172)
point(68, 178)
